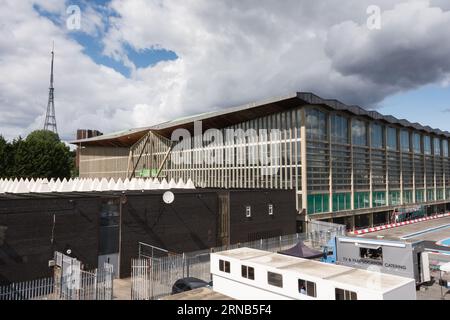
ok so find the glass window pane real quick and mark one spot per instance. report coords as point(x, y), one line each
point(275, 279)
point(437, 146)
point(392, 138)
point(316, 124)
point(377, 136)
point(359, 133)
point(427, 145)
point(416, 143)
point(404, 140)
point(339, 129)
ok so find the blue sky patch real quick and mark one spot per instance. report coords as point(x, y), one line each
point(92, 44)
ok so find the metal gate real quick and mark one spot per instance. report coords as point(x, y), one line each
point(156, 270)
point(69, 282)
point(140, 279)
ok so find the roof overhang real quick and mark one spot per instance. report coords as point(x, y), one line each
point(122, 139)
point(228, 117)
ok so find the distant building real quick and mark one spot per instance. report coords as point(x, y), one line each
point(345, 164)
point(84, 134)
point(251, 274)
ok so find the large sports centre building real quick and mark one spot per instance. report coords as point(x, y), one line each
point(342, 163)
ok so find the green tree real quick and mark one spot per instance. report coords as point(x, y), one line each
point(40, 155)
point(3, 157)
point(6, 158)
point(47, 156)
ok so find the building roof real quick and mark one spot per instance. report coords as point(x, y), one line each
point(358, 278)
point(227, 117)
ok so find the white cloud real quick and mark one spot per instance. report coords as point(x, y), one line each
point(230, 52)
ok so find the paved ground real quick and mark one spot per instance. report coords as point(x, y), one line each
point(122, 289)
point(198, 294)
point(396, 233)
point(433, 293)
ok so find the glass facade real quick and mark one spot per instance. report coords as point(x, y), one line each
point(377, 136)
point(416, 143)
point(427, 145)
point(404, 140)
point(359, 133)
point(339, 129)
point(341, 201)
point(394, 198)
point(430, 195)
point(362, 200)
point(408, 197)
point(316, 124)
point(344, 154)
point(391, 138)
point(437, 146)
point(378, 199)
point(318, 203)
point(420, 196)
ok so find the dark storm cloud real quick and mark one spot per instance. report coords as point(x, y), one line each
point(411, 49)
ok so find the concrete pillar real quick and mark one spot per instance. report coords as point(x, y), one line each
point(303, 160)
point(370, 219)
point(351, 222)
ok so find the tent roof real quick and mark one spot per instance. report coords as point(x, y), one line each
point(302, 251)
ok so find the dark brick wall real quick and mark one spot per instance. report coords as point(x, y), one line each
point(191, 223)
point(261, 224)
point(27, 224)
point(188, 224)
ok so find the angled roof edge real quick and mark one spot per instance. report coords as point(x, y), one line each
point(311, 98)
point(306, 97)
point(212, 114)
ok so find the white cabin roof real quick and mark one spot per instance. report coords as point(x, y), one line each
point(348, 276)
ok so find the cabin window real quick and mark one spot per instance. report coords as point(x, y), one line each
point(342, 294)
point(275, 279)
point(307, 287)
point(371, 253)
point(248, 272)
point(224, 266)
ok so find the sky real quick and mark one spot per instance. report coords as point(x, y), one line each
point(121, 64)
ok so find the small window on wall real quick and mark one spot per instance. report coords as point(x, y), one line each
point(224, 266)
point(248, 272)
point(248, 211)
point(275, 279)
point(307, 287)
point(372, 254)
point(270, 209)
point(342, 294)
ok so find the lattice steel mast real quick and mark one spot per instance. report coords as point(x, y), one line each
point(50, 118)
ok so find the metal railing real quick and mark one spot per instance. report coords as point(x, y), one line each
point(70, 283)
point(154, 275)
point(39, 289)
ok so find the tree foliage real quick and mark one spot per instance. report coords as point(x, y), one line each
point(40, 155)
